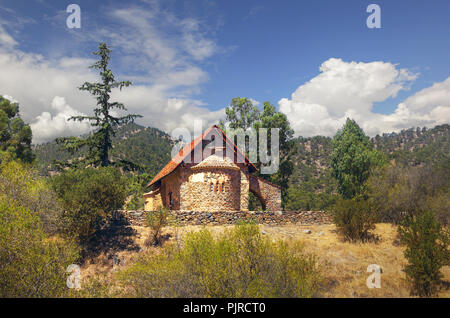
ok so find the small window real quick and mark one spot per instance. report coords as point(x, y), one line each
point(211, 187)
point(215, 187)
point(221, 187)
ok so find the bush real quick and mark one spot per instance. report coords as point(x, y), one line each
point(440, 206)
point(156, 220)
point(21, 186)
point(353, 219)
point(31, 264)
point(88, 197)
point(426, 251)
point(137, 186)
point(397, 191)
point(240, 263)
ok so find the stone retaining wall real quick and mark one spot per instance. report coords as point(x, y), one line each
point(232, 217)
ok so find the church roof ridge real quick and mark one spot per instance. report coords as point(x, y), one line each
point(187, 150)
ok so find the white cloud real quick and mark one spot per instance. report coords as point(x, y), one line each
point(350, 89)
point(167, 50)
point(48, 127)
point(255, 102)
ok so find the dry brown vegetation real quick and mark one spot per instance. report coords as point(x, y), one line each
point(344, 264)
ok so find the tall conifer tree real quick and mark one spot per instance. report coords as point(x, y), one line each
point(99, 143)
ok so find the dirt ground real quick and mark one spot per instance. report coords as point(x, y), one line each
point(344, 265)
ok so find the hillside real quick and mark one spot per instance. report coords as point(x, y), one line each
point(416, 146)
point(344, 264)
point(311, 183)
point(146, 146)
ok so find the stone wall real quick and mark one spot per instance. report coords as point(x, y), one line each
point(268, 193)
point(211, 190)
point(232, 217)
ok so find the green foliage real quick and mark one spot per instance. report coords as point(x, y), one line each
point(352, 159)
point(240, 263)
point(88, 197)
point(308, 196)
point(241, 113)
point(156, 220)
point(397, 190)
point(418, 146)
point(354, 219)
point(137, 185)
point(99, 143)
point(15, 135)
point(254, 203)
point(271, 118)
point(311, 184)
point(147, 147)
point(426, 251)
point(136, 202)
point(31, 264)
point(21, 186)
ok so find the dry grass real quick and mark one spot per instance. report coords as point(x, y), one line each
point(344, 264)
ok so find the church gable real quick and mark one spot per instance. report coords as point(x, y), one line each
point(207, 175)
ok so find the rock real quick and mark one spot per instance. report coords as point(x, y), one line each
point(320, 233)
point(263, 232)
point(307, 231)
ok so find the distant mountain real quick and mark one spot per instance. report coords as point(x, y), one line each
point(311, 183)
point(149, 147)
point(416, 146)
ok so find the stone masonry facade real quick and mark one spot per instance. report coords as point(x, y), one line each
point(218, 183)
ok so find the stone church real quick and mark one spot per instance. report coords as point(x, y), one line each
point(210, 174)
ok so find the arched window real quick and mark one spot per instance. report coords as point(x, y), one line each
point(221, 187)
point(211, 187)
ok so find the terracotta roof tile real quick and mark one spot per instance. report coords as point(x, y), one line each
point(187, 150)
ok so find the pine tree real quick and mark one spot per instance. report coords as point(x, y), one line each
point(99, 143)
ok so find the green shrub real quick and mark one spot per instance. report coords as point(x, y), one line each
point(426, 251)
point(31, 263)
point(136, 202)
point(156, 220)
point(21, 186)
point(240, 263)
point(88, 197)
point(354, 220)
point(440, 206)
point(137, 186)
point(396, 191)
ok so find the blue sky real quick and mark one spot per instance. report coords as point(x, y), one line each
point(187, 60)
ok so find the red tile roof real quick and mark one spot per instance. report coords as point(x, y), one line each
point(187, 150)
